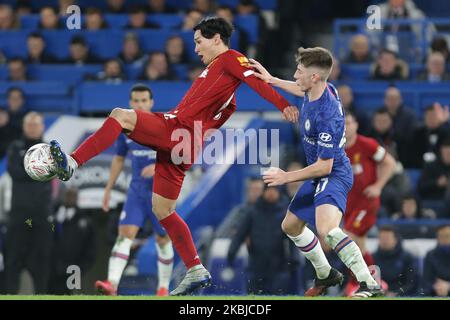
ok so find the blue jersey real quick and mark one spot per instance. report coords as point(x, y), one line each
point(141, 157)
point(322, 126)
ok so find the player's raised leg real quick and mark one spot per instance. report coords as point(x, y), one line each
point(119, 120)
point(196, 276)
point(309, 246)
point(328, 218)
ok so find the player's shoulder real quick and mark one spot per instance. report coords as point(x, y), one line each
point(365, 140)
point(235, 56)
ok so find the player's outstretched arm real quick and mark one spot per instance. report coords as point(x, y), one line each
point(116, 168)
point(288, 86)
point(277, 177)
point(385, 171)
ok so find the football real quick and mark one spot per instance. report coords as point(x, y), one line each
point(38, 163)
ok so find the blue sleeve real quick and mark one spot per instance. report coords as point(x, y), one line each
point(329, 135)
point(121, 146)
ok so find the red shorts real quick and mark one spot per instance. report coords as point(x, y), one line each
point(154, 131)
point(359, 221)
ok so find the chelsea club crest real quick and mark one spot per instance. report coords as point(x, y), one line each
point(307, 125)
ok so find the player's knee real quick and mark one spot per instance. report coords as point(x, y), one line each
point(324, 230)
point(126, 118)
point(161, 212)
point(288, 227)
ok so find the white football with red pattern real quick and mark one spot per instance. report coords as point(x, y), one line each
point(38, 162)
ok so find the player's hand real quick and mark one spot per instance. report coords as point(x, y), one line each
point(106, 198)
point(372, 191)
point(261, 72)
point(442, 113)
point(275, 177)
point(148, 171)
point(290, 113)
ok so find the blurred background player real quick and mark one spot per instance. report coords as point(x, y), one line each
point(321, 200)
point(372, 168)
point(138, 206)
point(210, 100)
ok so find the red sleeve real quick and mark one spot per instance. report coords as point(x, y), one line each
point(374, 149)
point(236, 64)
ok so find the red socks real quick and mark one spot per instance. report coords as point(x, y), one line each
point(181, 238)
point(99, 141)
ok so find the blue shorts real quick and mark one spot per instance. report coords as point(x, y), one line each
point(138, 208)
point(313, 193)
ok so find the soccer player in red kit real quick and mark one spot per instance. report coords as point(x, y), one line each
point(210, 101)
point(372, 168)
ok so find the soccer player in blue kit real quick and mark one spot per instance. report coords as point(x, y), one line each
point(138, 206)
point(321, 200)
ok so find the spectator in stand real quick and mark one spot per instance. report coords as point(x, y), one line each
point(227, 13)
point(131, 51)
point(346, 96)
point(398, 267)
point(49, 19)
point(403, 118)
point(206, 7)
point(175, 50)
point(8, 20)
point(95, 20)
point(112, 72)
point(399, 184)
point(434, 182)
point(2, 58)
point(80, 53)
point(254, 190)
point(158, 68)
point(63, 5)
point(36, 50)
point(116, 6)
point(359, 50)
point(436, 69)
point(335, 74)
point(389, 67)
point(427, 139)
point(11, 118)
point(270, 252)
point(71, 223)
point(138, 19)
point(191, 19)
point(159, 7)
point(436, 269)
point(439, 44)
point(411, 210)
point(17, 70)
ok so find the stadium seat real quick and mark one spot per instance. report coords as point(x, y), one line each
point(249, 24)
point(71, 74)
point(414, 176)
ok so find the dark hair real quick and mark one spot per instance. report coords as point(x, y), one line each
point(388, 228)
point(428, 108)
point(137, 9)
point(140, 87)
point(225, 7)
point(78, 40)
point(439, 44)
point(382, 110)
point(211, 26)
point(388, 51)
point(442, 226)
point(445, 142)
point(17, 59)
point(93, 10)
point(35, 35)
point(350, 113)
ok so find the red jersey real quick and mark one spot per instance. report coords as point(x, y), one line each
point(364, 156)
point(211, 98)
